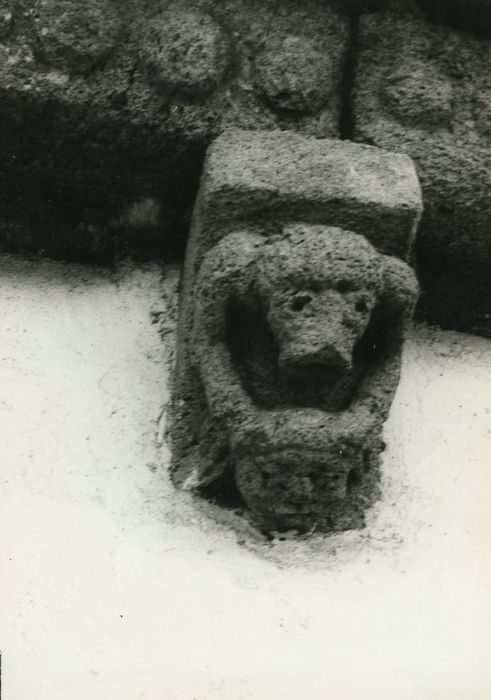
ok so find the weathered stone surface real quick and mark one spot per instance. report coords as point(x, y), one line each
point(6, 19)
point(253, 175)
point(109, 103)
point(291, 327)
point(421, 89)
point(185, 51)
point(73, 35)
point(297, 74)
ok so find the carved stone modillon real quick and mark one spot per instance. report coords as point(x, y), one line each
point(292, 321)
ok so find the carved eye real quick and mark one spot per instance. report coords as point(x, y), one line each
point(361, 306)
point(300, 301)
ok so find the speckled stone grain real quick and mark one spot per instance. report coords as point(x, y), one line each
point(106, 104)
point(422, 89)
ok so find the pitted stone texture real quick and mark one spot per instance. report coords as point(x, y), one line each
point(6, 19)
point(420, 94)
point(421, 89)
point(74, 35)
point(290, 330)
point(186, 51)
point(110, 103)
point(291, 58)
point(296, 75)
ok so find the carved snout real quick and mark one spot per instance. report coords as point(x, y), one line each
point(327, 346)
point(317, 329)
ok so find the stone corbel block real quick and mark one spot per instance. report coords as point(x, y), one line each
point(296, 297)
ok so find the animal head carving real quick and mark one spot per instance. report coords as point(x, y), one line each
point(320, 286)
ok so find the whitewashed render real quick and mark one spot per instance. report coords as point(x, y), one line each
point(115, 586)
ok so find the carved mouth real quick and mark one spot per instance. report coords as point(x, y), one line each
point(292, 480)
point(290, 457)
point(293, 509)
point(329, 360)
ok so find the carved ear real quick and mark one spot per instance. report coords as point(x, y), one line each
point(401, 289)
point(227, 270)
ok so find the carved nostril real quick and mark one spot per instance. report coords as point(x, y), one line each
point(300, 302)
point(343, 286)
point(361, 306)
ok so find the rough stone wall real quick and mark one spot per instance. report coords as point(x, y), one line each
point(423, 89)
point(108, 108)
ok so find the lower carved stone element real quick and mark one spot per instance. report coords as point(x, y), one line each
point(291, 326)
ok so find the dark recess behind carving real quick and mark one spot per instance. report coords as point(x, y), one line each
point(470, 15)
point(347, 120)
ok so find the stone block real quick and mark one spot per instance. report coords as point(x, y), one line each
point(116, 103)
point(274, 175)
point(422, 89)
point(294, 305)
